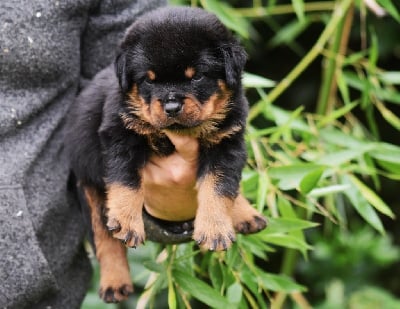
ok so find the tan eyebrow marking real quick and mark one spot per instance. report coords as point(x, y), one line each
point(151, 75)
point(189, 72)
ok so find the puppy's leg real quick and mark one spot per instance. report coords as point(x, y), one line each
point(246, 219)
point(115, 280)
point(124, 212)
point(213, 227)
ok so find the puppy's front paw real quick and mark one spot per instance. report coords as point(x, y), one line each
point(124, 214)
point(127, 228)
point(214, 237)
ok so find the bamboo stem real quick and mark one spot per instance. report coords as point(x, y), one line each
point(337, 15)
point(326, 100)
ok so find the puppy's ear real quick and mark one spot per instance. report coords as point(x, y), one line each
point(121, 64)
point(235, 58)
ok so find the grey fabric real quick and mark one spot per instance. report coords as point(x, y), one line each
point(46, 48)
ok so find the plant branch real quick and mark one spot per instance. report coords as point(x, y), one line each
point(337, 16)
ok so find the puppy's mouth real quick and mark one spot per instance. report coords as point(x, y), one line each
point(184, 114)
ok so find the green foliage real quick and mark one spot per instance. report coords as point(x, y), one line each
point(315, 171)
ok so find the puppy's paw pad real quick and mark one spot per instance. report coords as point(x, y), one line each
point(254, 225)
point(115, 294)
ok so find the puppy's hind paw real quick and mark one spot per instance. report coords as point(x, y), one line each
point(115, 294)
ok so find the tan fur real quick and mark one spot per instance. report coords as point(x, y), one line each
point(124, 206)
point(202, 119)
point(190, 72)
point(213, 227)
point(111, 254)
point(151, 75)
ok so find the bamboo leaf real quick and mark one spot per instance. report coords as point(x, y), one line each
point(290, 176)
point(226, 14)
point(390, 117)
point(362, 206)
point(289, 32)
point(288, 241)
point(199, 290)
point(262, 190)
point(338, 158)
point(171, 295)
point(256, 81)
point(285, 225)
point(318, 192)
point(337, 114)
point(389, 6)
point(279, 283)
point(391, 77)
point(298, 6)
point(310, 180)
point(372, 197)
point(234, 293)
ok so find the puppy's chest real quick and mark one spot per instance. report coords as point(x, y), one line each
point(160, 144)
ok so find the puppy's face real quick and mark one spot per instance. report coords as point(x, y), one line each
point(179, 69)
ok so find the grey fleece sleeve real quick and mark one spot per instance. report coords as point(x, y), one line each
point(45, 46)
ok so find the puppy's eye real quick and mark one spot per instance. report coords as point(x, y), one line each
point(148, 81)
point(197, 77)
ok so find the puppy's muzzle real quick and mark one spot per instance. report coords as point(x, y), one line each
point(172, 104)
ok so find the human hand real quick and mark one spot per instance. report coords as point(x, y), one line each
point(170, 182)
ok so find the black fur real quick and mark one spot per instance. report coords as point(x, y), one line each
point(103, 150)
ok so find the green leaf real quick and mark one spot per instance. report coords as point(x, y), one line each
point(338, 158)
point(171, 295)
point(285, 225)
point(153, 266)
point(298, 6)
point(199, 290)
point(285, 118)
point(291, 176)
point(386, 152)
point(234, 293)
point(310, 180)
point(389, 6)
point(336, 114)
point(216, 275)
point(262, 190)
point(340, 138)
point(269, 281)
point(362, 206)
point(279, 283)
point(389, 116)
point(287, 241)
point(289, 32)
point(256, 81)
point(228, 17)
point(372, 197)
point(391, 77)
point(364, 85)
point(318, 192)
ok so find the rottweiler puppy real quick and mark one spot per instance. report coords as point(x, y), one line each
point(177, 69)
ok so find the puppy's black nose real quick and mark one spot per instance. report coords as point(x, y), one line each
point(172, 108)
point(172, 105)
